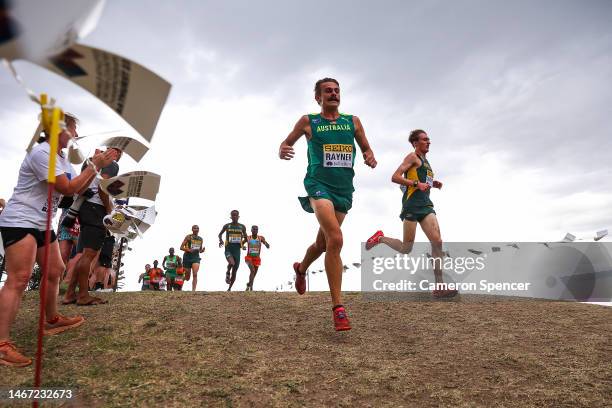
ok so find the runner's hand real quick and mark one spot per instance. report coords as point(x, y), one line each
point(369, 159)
point(423, 186)
point(220, 244)
point(286, 152)
point(437, 184)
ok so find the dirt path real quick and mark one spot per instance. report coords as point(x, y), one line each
point(279, 349)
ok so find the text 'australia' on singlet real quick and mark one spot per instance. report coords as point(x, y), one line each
point(414, 196)
point(331, 152)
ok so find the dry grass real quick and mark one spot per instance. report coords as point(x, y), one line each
point(279, 349)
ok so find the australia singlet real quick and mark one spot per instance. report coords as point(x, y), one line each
point(331, 152)
point(413, 197)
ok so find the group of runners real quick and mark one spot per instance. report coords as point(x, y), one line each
point(331, 138)
point(232, 237)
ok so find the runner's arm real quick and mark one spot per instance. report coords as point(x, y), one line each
point(364, 145)
point(164, 262)
point(263, 240)
point(184, 246)
point(398, 177)
point(220, 234)
point(141, 277)
point(245, 237)
point(301, 128)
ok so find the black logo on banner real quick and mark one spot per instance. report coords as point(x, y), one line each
point(65, 63)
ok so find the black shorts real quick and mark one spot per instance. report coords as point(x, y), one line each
point(11, 235)
point(106, 253)
point(92, 229)
point(91, 237)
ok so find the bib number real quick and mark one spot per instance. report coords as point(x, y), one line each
point(429, 179)
point(337, 155)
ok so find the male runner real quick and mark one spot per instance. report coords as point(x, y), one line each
point(193, 245)
point(180, 278)
point(331, 140)
point(145, 278)
point(416, 175)
point(235, 235)
point(155, 274)
point(170, 263)
point(252, 258)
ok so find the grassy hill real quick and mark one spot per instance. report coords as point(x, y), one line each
point(279, 349)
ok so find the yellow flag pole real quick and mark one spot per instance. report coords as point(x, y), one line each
point(51, 123)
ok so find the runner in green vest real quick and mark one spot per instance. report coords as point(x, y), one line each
point(331, 138)
point(170, 263)
point(193, 246)
point(235, 236)
point(416, 178)
point(145, 278)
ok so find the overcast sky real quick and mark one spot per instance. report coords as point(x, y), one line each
point(515, 97)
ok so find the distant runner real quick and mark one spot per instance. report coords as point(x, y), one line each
point(180, 278)
point(235, 235)
point(416, 175)
point(253, 259)
point(155, 275)
point(145, 278)
point(331, 138)
point(193, 245)
point(170, 263)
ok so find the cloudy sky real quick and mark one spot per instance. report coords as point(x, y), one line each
point(515, 96)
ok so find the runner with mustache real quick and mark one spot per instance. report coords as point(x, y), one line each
point(331, 138)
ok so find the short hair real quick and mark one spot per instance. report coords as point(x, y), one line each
point(234, 211)
point(414, 136)
point(317, 87)
point(195, 226)
point(254, 226)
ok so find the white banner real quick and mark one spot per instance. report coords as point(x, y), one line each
point(142, 184)
point(33, 29)
point(132, 147)
point(135, 93)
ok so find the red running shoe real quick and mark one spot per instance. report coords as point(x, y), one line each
point(300, 279)
point(341, 321)
point(374, 240)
